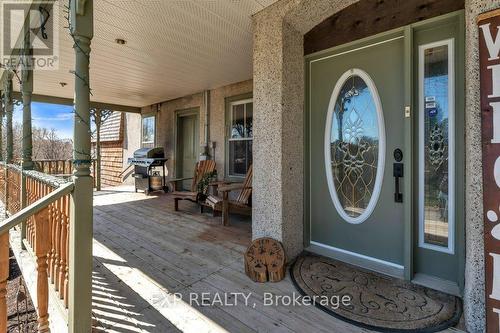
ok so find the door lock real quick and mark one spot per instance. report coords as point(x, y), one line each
point(398, 172)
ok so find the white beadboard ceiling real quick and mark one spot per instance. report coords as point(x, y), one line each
point(173, 48)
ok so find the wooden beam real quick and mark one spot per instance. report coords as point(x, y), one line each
point(69, 101)
point(369, 17)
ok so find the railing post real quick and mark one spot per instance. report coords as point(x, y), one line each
point(4, 275)
point(80, 229)
point(27, 90)
point(42, 246)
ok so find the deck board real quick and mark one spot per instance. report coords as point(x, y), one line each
point(144, 253)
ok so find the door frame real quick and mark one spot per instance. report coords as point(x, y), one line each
point(411, 110)
point(195, 111)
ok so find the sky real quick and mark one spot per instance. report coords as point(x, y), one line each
point(50, 116)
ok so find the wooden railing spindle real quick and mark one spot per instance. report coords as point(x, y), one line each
point(47, 235)
point(65, 250)
point(4, 275)
point(42, 245)
point(56, 245)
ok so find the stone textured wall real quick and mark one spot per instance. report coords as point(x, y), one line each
point(278, 119)
point(165, 121)
point(278, 144)
point(474, 294)
point(131, 140)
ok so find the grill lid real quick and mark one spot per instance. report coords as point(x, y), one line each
point(149, 153)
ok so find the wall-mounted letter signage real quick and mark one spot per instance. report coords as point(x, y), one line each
point(489, 53)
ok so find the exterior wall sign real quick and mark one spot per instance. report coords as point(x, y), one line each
point(489, 53)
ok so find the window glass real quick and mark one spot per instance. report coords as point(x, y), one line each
point(240, 138)
point(240, 157)
point(354, 146)
point(148, 129)
point(435, 144)
point(238, 121)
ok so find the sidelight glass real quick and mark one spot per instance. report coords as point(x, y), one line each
point(355, 146)
point(436, 146)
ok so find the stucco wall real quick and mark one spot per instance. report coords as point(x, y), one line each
point(474, 269)
point(131, 140)
point(278, 141)
point(278, 119)
point(165, 128)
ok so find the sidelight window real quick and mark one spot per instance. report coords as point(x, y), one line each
point(436, 146)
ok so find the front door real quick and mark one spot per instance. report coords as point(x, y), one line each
point(187, 145)
point(356, 149)
point(384, 153)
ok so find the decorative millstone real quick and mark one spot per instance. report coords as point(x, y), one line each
point(265, 260)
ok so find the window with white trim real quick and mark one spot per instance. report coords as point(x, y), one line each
point(240, 137)
point(436, 145)
point(148, 130)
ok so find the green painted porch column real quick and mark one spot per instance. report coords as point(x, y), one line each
point(81, 216)
point(27, 91)
point(9, 109)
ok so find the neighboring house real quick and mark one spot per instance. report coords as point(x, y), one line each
point(112, 134)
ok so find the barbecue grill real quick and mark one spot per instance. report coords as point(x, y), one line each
point(145, 162)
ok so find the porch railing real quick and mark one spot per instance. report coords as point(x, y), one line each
point(54, 167)
point(60, 168)
point(47, 225)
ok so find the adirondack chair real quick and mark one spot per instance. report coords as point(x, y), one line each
point(202, 168)
point(242, 204)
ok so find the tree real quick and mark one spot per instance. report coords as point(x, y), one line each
point(99, 116)
point(48, 146)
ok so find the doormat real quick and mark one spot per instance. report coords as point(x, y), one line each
point(378, 302)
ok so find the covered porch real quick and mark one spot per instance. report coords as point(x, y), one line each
point(120, 261)
point(157, 270)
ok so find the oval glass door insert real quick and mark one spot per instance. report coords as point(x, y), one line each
point(355, 146)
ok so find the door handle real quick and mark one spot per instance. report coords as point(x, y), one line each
point(398, 172)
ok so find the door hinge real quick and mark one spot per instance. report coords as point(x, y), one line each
point(407, 112)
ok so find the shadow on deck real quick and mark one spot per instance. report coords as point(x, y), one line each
point(153, 266)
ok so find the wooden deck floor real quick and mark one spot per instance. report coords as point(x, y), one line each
point(145, 254)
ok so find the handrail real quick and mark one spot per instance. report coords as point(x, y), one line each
point(124, 170)
point(35, 207)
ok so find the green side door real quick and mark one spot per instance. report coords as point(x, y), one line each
point(187, 145)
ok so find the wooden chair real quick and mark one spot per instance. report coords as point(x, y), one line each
point(242, 204)
point(202, 168)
